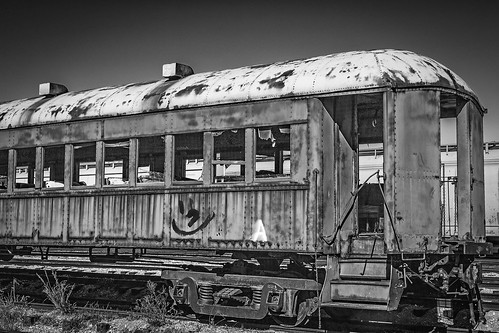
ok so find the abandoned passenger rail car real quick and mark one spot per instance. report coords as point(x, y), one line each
point(260, 162)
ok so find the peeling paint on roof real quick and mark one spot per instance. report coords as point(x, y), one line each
point(334, 73)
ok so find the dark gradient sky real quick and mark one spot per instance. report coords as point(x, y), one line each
point(90, 44)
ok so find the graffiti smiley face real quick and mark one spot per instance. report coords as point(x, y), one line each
point(193, 215)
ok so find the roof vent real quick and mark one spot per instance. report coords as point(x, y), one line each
point(52, 89)
point(175, 71)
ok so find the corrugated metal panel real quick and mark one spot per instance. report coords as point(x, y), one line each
point(230, 219)
point(51, 217)
point(23, 214)
point(148, 216)
point(326, 74)
point(114, 216)
point(228, 223)
point(82, 217)
point(282, 216)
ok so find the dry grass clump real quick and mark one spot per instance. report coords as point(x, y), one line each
point(156, 305)
point(58, 292)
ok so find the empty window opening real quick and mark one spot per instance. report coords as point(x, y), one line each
point(370, 158)
point(53, 167)
point(4, 169)
point(449, 107)
point(229, 159)
point(25, 168)
point(273, 152)
point(188, 157)
point(116, 158)
point(151, 160)
point(84, 171)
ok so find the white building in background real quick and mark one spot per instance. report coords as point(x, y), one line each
point(371, 160)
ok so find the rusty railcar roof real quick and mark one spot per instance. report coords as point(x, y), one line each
point(362, 70)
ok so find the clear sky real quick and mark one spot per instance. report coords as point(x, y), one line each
point(89, 44)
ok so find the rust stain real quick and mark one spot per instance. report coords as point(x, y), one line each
point(278, 81)
point(197, 89)
point(77, 111)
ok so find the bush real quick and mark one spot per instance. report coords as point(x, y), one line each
point(156, 305)
point(58, 293)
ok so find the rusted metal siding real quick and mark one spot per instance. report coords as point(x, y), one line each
point(330, 169)
point(282, 216)
point(470, 174)
point(114, 216)
point(477, 174)
point(345, 157)
point(261, 219)
point(148, 216)
point(299, 165)
point(319, 75)
point(23, 215)
point(52, 215)
point(315, 174)
point(83, 217)
point(4, 217)
point(417, 172)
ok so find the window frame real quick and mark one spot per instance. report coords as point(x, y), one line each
point(172, 161)
point(36, 176)
point(71, 151)
point(131, 156)
point(283, 178)
point(42, 172)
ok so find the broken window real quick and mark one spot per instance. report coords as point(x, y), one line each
point(228, 158)
point(116, 157)
point(84, 171)
point(188, 157)
point(25, 168)
point(151, 160)
point(4, 169)
point(53, 167)
point(273, 152)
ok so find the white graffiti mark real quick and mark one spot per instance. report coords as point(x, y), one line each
point(259, 234)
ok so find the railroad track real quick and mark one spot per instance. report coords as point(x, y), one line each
point(489, 287)
point(134, 275)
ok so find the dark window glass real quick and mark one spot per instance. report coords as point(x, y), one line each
point(25, 168)
point(188, 157)
point(84, 164)
point(273, 152)
point(229, 156)
point(53, 167)
point(151, 164)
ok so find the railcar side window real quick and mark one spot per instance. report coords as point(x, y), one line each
point(116, 157)
point(151, 161)
point(4, 169)
point(273, 152)
point(53, 167)
point(25, 168)
point(188, 157)
point(84, 158)
point(228, 158)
